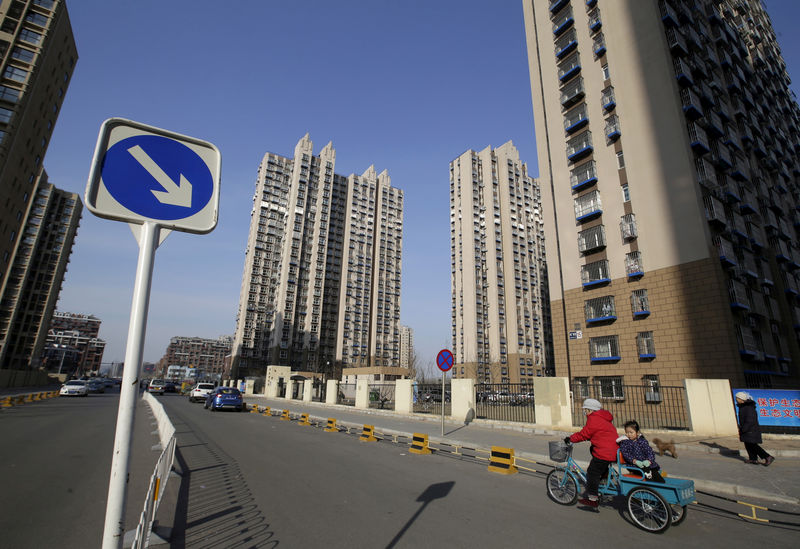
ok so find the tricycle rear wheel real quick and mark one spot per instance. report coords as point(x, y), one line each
point(649, 510)
point(678, 513)
point(561, 487)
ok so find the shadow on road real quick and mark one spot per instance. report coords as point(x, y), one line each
point(432, 492)
point(215, 507)
point(724, 450)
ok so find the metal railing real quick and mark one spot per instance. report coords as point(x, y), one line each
point(505, 402)
point(653, 406)
point(347, 394)
point(428, 399)
point(381, 395)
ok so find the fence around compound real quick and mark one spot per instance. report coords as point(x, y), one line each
point(505, 402)
point(428, 399)
point(652, 407)
point(381, 395)
point(347, 394)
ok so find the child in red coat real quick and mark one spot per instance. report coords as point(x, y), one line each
point(602, 435)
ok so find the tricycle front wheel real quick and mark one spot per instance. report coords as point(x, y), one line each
point(649, 510)
point(561, 487)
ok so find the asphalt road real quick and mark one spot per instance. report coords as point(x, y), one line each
point(56, 461)
point(255, 481)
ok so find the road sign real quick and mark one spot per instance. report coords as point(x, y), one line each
point(145, 174)
point(444, 360)
point(576, 335)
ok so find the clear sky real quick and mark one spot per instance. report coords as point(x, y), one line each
point(406, 86)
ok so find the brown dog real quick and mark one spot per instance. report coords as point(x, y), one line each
point(665, 447)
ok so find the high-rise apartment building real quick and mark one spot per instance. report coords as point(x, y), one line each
point(668, 150)
point(37, 57)
point(73, 344)
point(205, 356)
point(321, 284)
point(37, 272)
point(498, 268)
point(407, 355)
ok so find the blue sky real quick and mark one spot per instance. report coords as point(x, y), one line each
point(406, 86)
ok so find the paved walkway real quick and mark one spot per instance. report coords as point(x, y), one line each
point(715, 465)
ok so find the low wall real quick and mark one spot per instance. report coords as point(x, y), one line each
point(24, 378)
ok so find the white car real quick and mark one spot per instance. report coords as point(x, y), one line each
point(200, 391)
point(76, 387)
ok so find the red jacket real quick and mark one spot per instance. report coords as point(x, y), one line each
point(601, 433)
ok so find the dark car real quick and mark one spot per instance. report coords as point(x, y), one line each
point(225, 398)
point(169, 387)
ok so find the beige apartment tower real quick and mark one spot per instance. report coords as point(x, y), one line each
point(668, 150)
point(498, 269)
point(321, 284)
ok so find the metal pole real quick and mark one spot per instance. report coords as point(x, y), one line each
point(443, 374)
point(114, 530)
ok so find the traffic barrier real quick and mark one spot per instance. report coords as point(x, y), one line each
point(7, 402)
point(502, 460)
point(19, 399)
point(304, 420)
point(29, 397)
point(367, 434)
point(285, 416)
point(254, 409)
point(267, 411)
point(331, 428)
point(419, 444)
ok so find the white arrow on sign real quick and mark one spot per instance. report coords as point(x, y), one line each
point(179, 194)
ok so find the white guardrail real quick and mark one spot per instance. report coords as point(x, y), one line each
point(166, 435)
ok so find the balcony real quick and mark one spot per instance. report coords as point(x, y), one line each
point(691, 104)
point(579, 146)
point(737, 294)
point(720, 155)
point(725, 251)
point(575, 119)
point(640, 304)
point(705, 173)
point(569, 68)
point(646, 347)
point(595, 274)
point(599, 45)
point(713, 124)
point(563, 21)
point(583, 176)
point(749, 203)
point(697, 139)
point(737, 224)
point(600, 309)
point(595, 22)
point(556, 5)
point(604, 349)
point(668, 15)
point(715, 211)
point(747, 343)
point(627, 227)
point(677, 44)
point(607, 99)
point(634, 267)
point(612, 128)
point(588, 206)
point(592, 239)
point(683, 72)
point(566, 43)
point(572, 93)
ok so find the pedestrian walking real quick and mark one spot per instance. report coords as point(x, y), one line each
point(750, 430)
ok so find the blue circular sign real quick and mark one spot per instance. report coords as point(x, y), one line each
point(444, 360)
point(157, 177)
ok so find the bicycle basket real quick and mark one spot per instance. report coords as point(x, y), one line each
point(559, 450)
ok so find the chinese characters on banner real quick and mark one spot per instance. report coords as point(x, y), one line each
point(776, 407)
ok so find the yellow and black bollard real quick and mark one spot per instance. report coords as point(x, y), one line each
point(254, 408)
point(285, 416)
point(367, 435)
point(304, 420)
point(331, 428)
point(502, 461)
point(267, 411)
point(419, 444)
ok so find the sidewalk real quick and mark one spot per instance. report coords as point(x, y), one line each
point(715, 465)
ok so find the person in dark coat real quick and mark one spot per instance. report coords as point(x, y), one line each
point(749, 430)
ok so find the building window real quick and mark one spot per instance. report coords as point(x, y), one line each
point(627, 226)
point(600, 309)
point(595, 273)
point(626, 195)
point(588, 205)
point(592, 239)
point(652, 388)
point(645, 344)
point(31, 37)
point(610, 387)
point(9, 94)
point(621, 164)
point(606, 73)
point(581, 387)
point(15, 73)
point(633, 264)
point(640, 303)
point(604, 348)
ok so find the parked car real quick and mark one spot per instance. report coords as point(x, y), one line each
point(156, 386)
point(225, 397)
point(95, 386)
point(75, 387)
point(108, 382)
point(200, 391)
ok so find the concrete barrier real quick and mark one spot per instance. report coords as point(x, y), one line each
point(419, 444)
point(368, 434)
point(462, 398)
point(362, 394)
point(502, 461)
point(331, 391)
point(709, 405)
point(552, 404)
point(308, 388)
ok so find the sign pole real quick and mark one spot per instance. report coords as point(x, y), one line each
point(114, 529)
point(443, 400)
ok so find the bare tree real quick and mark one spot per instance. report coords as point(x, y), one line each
point(413, 361)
